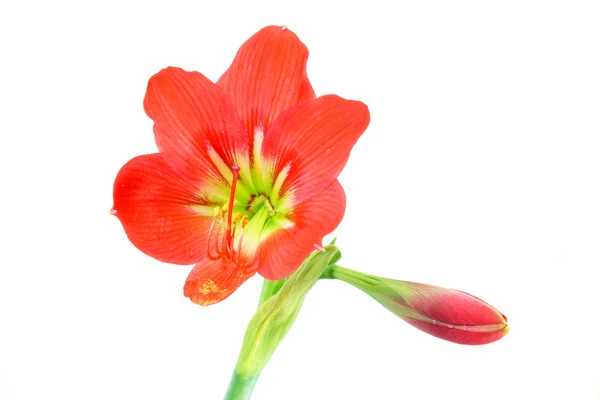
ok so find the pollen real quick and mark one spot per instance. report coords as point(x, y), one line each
point(211, 287)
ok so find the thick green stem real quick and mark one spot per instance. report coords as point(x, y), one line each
point(240, 387)
point(280, 303)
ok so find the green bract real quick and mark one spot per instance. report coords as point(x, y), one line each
point(275, 316)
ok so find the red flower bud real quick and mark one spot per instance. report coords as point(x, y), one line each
point(444, 313)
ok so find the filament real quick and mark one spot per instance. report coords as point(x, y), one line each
point(216, 239)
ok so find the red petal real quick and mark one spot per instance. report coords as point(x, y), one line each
point(314, 139)
point(283, 252)
point(153, 203)
point(191, 115)
point(267, 76)
point(211, 281)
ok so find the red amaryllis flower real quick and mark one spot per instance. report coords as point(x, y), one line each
point(245, 180)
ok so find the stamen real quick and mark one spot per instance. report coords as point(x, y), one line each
point(217, 244)
point(209, 239)
point(223, 241)
point(239, 249)
point(222, 244)
point(231, 240)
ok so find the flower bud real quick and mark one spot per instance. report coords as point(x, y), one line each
point(444, 313)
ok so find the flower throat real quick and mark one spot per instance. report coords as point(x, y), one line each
point(241, 224)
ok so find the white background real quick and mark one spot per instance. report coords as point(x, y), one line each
point(480, 171)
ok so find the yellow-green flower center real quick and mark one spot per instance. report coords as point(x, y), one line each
point(249, 209)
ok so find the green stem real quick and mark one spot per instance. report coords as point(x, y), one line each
point(355, 278)
point(240, 387)
point(369, 284)
point(279, 305)
point(269, 289)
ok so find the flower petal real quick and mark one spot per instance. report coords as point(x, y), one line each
point(156, 207)
point(283, 251)
point(211, 281)
point(267, 76)
point(314, 140)
point(194, 121)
